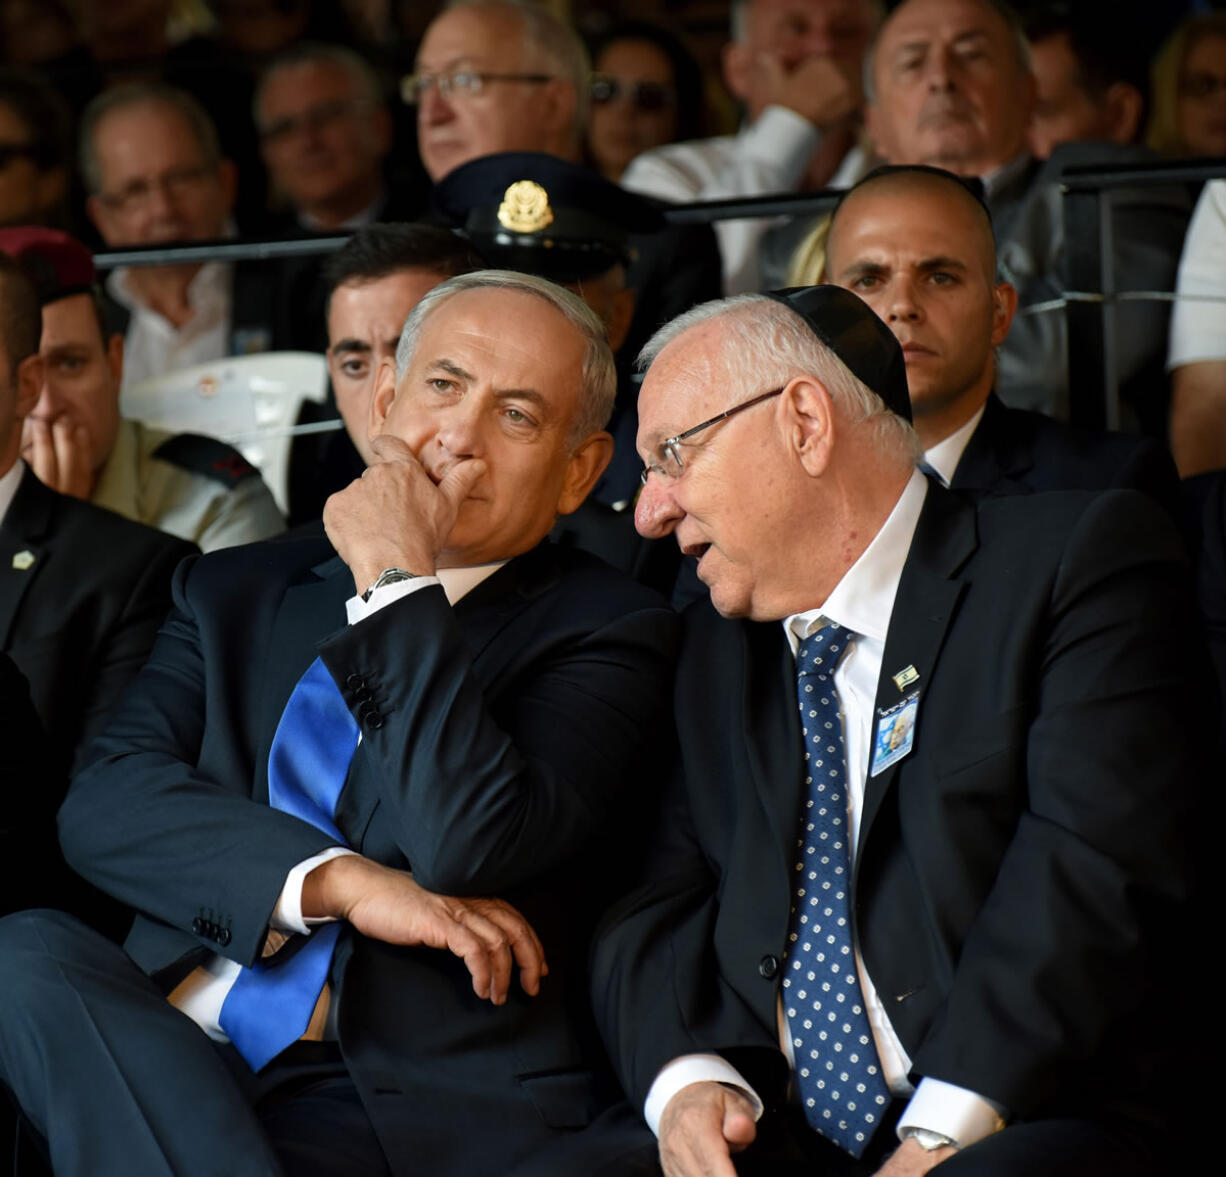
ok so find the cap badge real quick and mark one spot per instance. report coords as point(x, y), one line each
point(525, 208)
point(23, 560)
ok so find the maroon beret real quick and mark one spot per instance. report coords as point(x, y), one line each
point(58, 265)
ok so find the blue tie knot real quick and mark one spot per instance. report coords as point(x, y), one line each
point(819, 653)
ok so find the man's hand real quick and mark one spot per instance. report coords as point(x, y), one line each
point(910, 1160)
point(385, 904)
point(395, 515)
point(702, 1126)
point(818, 89)
point(59, 454)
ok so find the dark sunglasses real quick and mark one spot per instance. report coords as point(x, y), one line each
point(645, 95)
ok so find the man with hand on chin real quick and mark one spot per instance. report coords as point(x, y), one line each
point(293, 803)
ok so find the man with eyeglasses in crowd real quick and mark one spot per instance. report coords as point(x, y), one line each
point(153, 169)
point(795, 65)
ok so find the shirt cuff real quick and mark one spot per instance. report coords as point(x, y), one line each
point(287, 915)
point(359, 610)
point(953, 1112)
point(688, 1069)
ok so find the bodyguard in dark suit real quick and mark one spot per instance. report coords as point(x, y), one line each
point(500, 710)
point(916, 244)
point(926, 855)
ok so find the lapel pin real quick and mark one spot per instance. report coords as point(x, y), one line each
point(23, 560)
point(905, 677)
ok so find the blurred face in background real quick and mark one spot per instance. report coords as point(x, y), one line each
point(1201, 110)
point(634, 104)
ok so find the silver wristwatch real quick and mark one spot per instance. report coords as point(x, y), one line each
point(389, 576)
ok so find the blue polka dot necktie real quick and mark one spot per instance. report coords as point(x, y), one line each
point(270, 1004)
point(837, 1068)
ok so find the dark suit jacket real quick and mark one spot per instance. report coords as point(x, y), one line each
point(80, 618)
point(1015, 451)
point(1019, 873)
point(501, 743)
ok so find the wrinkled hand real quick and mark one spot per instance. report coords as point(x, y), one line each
point(59, 455)
point(910, 1160)
point(395, 515)
point(818, 89)
point(702, 1126)
point(490, 936)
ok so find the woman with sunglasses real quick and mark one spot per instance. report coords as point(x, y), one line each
point(647, 90)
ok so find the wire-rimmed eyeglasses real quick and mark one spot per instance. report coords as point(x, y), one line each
point(668, 464)
point(463, 83)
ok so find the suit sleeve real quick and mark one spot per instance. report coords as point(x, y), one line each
point(143, 824)
point(481, 795)
point(1083, 918)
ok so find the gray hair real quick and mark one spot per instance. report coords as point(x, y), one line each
point(598, 377)
point(553, 40)
point(738, 18)
point(143, 94)
point(362, 76)
point(762, 337)
point(1021, 45)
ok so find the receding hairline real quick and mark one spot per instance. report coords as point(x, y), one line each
point(901, 183)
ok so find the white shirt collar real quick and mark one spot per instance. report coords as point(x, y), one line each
point(9, 482)
point(863, 599)
point(947, 453)
point(459, 582)
point(210, 286)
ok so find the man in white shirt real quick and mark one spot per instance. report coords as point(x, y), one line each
point(500, 693)
point(154, 174)
point(795, 65)
point(941, 923)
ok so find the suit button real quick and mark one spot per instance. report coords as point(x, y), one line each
point(768, 966)
point(223, 936)
point(354, 681)
point(362, 694)
point(198, 926)
point(375, 722)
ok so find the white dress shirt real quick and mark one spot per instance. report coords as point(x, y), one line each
point(861, 602)
point(947, 453)
point(202, 992)
point(9, 482)
point(154, 346)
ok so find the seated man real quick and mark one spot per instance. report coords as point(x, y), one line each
point(501, 696)
point(370, 285)
point(82, 591)
point(74, 439)
point(917, 245)
point(927, 861)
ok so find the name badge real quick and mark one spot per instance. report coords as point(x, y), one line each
point(895, 734)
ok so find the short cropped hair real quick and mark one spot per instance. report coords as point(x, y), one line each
point(43, 113)
point(555, 41)
point(382, 249)
point(1006, 12)
point(598, 378)
point(366, 82)
point(143, 94)
point(765, 342)
point(21, 318)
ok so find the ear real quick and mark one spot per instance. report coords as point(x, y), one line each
point(100, 216)
point(808, 416)
point(876, 129)
point(383, 396)
point(559, 103)
point(620, 316)
point(1124, 105)
point(736, 62)
point(114, 359)
point(586, 465)
point(1004, 307)
point(29, 384)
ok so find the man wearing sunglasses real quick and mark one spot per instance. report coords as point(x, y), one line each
point(922, 886)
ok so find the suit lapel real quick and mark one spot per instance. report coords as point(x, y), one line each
point(927, 600)
point(996, 455)
point(310, 610)
point(772, 732)
point(23, 548)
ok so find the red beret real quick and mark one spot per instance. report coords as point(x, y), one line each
point(58, 265)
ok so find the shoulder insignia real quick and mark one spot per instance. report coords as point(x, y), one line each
point(208, 456)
